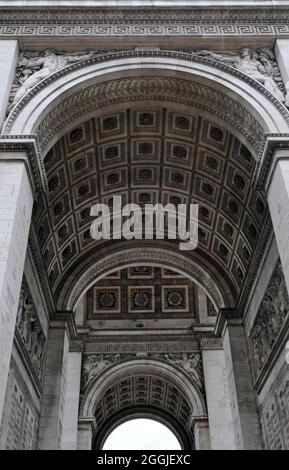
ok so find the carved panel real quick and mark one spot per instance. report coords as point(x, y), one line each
point(270, 319)
point(20, 420)
point(274, 414)
point(189, 363)
point(142, 291)
point(30, 330)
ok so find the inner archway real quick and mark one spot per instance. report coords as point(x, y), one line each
point(141, 434)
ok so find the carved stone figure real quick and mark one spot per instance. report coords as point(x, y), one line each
point(32, 68)
point(94, 364)
point(190, 362)
point(259, 64)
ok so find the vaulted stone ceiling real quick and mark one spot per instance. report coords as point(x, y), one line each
point(150, 155)
point(144, 391)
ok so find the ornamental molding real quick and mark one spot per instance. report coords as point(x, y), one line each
point(150, 89)
point(147, 88)
point(33, 246)
point(138, 21)
point(268, 160)
point(29, 145)
point(141, 256)
point(255, 264)
point(140, 344)
point(227, 316)
point(211, 344)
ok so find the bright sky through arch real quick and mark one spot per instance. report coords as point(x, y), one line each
point(141, 434)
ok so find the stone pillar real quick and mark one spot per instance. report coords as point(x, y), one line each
point(8, 62)
point(202, 434)
point(278, 201)
point(86, 429)
point(242, 396)
point(50, 428)
point(16, 201)
point(71, 401)
point(217, 394)
point(61, 388)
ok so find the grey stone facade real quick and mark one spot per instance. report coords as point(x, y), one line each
point(182, 102)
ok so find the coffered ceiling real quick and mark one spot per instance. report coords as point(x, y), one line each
point(150, 155)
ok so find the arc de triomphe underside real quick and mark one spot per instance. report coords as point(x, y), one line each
point(159, 103)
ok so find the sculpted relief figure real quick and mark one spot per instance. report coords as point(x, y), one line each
point(191, 363)
point(32, 68)
point(94, 364)
point(259, 64)
point(30, 329)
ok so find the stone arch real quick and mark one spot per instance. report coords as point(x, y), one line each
point(76, 93)
point(184, 438)
point(221, 90)
point(153, 378)
point(138, 256)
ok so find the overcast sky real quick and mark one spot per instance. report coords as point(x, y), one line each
point(141, 434)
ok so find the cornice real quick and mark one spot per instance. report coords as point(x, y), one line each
point(268, 160)
point(227, 316)
point(164, 18)
point(27, 144)
point(193, 13)
point(85, 422)
point(144, 344)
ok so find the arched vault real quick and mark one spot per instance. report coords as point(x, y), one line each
point(155, 126)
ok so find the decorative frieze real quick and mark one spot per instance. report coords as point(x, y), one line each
point(259, 64)
point(189, 363)
point(137, 21)
point(270, 319)
point(141, 344)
